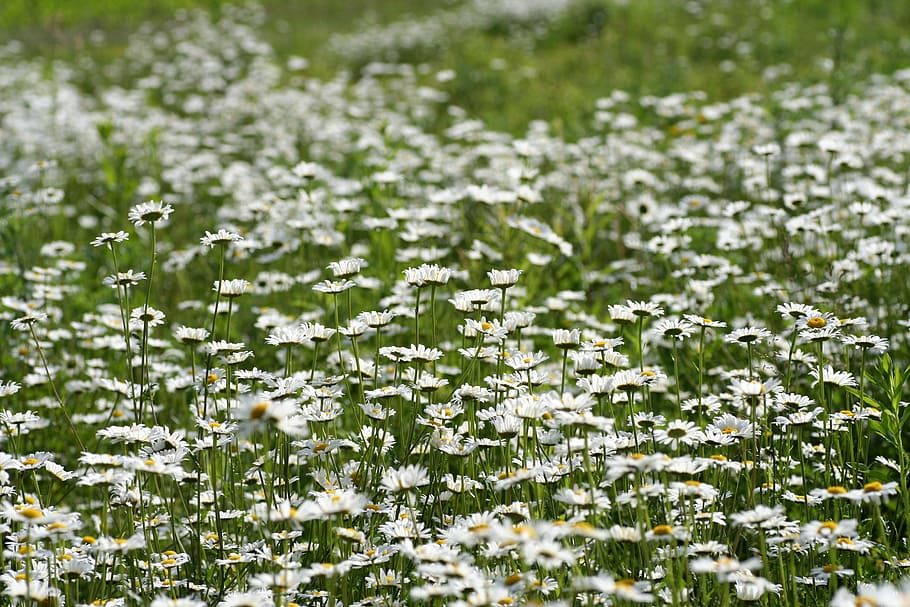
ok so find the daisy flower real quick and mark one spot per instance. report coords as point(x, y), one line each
point(427, 274)
point(8, 388)
point(231, 288)
point(797, 311)
point(109, 239)
point(747, 335)
point(621, 314)
point(842, 379)
point(502, 279)
point(152, 211)
point(679, 431)
point(566, 338)
point(644, 309)
point(404, 478)
point(701, 321)
point(674, 328)
point(871, 343)
point(333, 287)
point(221, 237)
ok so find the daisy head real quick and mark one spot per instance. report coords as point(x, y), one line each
point(152, 212)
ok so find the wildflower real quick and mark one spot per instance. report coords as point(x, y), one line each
point(316, 332)
point(870, 343)
point(819, 333)
point(873, 595)
point(733, 426)
point(404, 478)
point(524, 362)
point(149, 212)
point(674, 328)
point(145, 316)
point(124, 279)
point(566, 339)
point(875, 492)
point(827, 532)
point(621, 314)
point(751, 588)
point(597, 385)
point(428, 383)
point(427, 274)
point(191, 335)
point(701, 321)
point(377, 319)
point(24, 323)
point(221, 237)
point(628, 380)
point(644, 309)
point(109, 239)
point(547, 553)
point(334, 287)
point(797, 310)
point(345, 268)
point(725, 568)
point(666, 533)
point(36, 591)
point(518, 320)
point(842, 379)
point(823, 574)
point(679, 431)
point(502, 279)
point(476, 299)
point(8, 388)
point(231, 288)
point(287, 336)
point(760, 516)
point(420, 353)
point(488, 328)
point(747, 335)
point(110, 545)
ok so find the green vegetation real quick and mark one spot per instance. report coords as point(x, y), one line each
point(645, 47)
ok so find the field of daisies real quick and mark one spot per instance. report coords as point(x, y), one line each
point(273, 339)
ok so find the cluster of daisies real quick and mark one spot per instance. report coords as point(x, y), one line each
point(271, 340)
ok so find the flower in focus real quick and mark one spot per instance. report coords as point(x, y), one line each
point(152, 212)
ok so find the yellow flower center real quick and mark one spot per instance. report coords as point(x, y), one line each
point(827, 526)
point(816, 322)
point(259, 410)
point(31, 513)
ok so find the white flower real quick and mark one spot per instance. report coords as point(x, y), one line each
point(566, 339)
point(347, 267)
point(503, 278)
point(404, 478)
point(8, 388)
point(834, 378)
point(220, 237)
point(152, 211)
point(231, 288)
point(427, 274)
point(109, 239)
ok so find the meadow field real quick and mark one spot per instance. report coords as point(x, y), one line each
point(544, 303)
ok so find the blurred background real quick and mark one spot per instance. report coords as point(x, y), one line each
point(508, 62)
